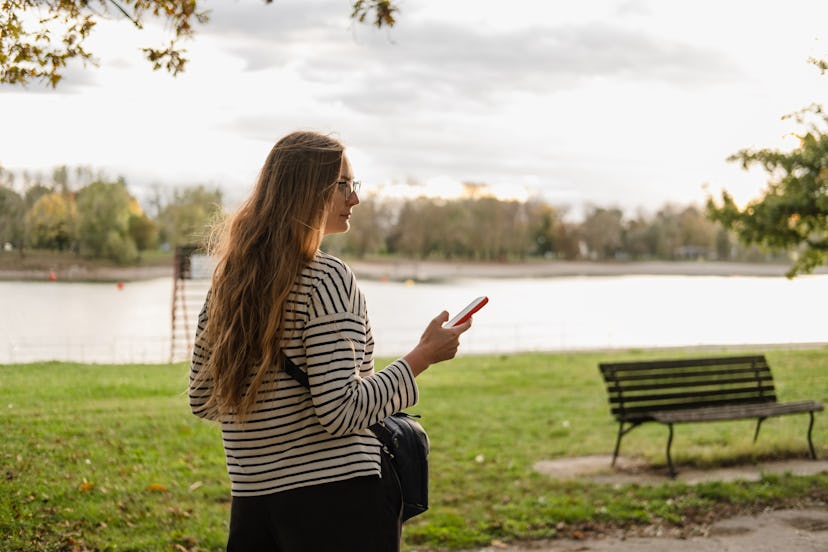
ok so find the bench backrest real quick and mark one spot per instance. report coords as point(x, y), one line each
point(637, 388)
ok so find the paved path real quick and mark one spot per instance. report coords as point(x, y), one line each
point(779, 531)
point(803, 530)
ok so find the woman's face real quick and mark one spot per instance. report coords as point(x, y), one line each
point(343, 200)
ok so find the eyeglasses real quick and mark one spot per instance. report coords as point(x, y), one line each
point(349, 187)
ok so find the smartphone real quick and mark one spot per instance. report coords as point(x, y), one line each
point(466, 313)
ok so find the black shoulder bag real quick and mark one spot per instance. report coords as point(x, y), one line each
point(404, 442)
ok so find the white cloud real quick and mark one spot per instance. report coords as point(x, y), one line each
point(610, 102)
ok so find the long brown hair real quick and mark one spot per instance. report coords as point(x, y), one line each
point(260, 252)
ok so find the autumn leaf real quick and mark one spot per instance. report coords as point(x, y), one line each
point(157, 487)
point(178, 512)
point(86, 486)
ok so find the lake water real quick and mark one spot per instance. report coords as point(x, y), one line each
point(89, 322)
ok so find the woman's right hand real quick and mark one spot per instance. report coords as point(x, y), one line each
point(436, 344)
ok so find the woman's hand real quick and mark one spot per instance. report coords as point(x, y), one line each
point(436, 344)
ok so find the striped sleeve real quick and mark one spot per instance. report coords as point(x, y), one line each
point(347, 394)
point(199, 391)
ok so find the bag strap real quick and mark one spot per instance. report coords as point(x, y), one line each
point(379, 429)
point(294, 371)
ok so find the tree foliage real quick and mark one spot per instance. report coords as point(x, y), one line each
point(188, 216)
point(490, 229)
point(143, 231)
point(792, 213)
point(105, 209)
point(52, 222)
point(110, 223)
point(602, 232)
point(383, 11)
point(39, 37)
point(12, 212)
point(102, 219)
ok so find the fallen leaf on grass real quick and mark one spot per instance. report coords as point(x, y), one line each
point(178, 512)
point(76, 544)
point(195, 485)
point(157, 487)
point(86, 486)
point(188, 544)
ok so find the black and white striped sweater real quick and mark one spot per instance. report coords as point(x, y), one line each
point(294, 437)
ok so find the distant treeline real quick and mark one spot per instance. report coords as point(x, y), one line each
point(84, 212)
point(492, 229)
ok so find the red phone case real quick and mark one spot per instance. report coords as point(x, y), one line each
point(467, 312)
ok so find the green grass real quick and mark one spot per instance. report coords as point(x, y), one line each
point(103, 457)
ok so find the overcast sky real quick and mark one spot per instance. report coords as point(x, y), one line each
point(628, 103)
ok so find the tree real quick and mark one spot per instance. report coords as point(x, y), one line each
point(697, 234)
point(602, 230)
point(12, 211)
point(640, 240)
point(188, 217)
point(39, 37)
point(792, 213)
point(497, 229)
point(542, 221)
point(105, 209)
point(414, 229)
point(368, 230)
point(33, 193)
point(53, 222)
point(143, 231)
point(567, 244)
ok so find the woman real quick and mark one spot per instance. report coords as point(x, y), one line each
point(306, 473)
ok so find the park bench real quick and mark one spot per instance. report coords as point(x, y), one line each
point(695, 390)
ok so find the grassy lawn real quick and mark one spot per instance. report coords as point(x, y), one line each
point(100, 457)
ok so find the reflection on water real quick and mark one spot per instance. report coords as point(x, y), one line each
point(102, 323)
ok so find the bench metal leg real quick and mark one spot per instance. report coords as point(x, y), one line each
point(621, 433)
point(670, 467)
point(810, 442)
point(758, 426)
point(617, 443)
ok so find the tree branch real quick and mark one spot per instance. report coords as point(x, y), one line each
point(126, 13)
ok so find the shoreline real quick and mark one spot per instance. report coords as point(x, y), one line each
point(423, 271)
point(401, 270)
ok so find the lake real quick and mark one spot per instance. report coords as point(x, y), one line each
point(100, 322)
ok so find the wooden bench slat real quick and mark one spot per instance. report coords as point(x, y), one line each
point(689, 374)
point(735, 412)
point(734, 383)
point(683, 363)
point(758, 394)
point(630, 413)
